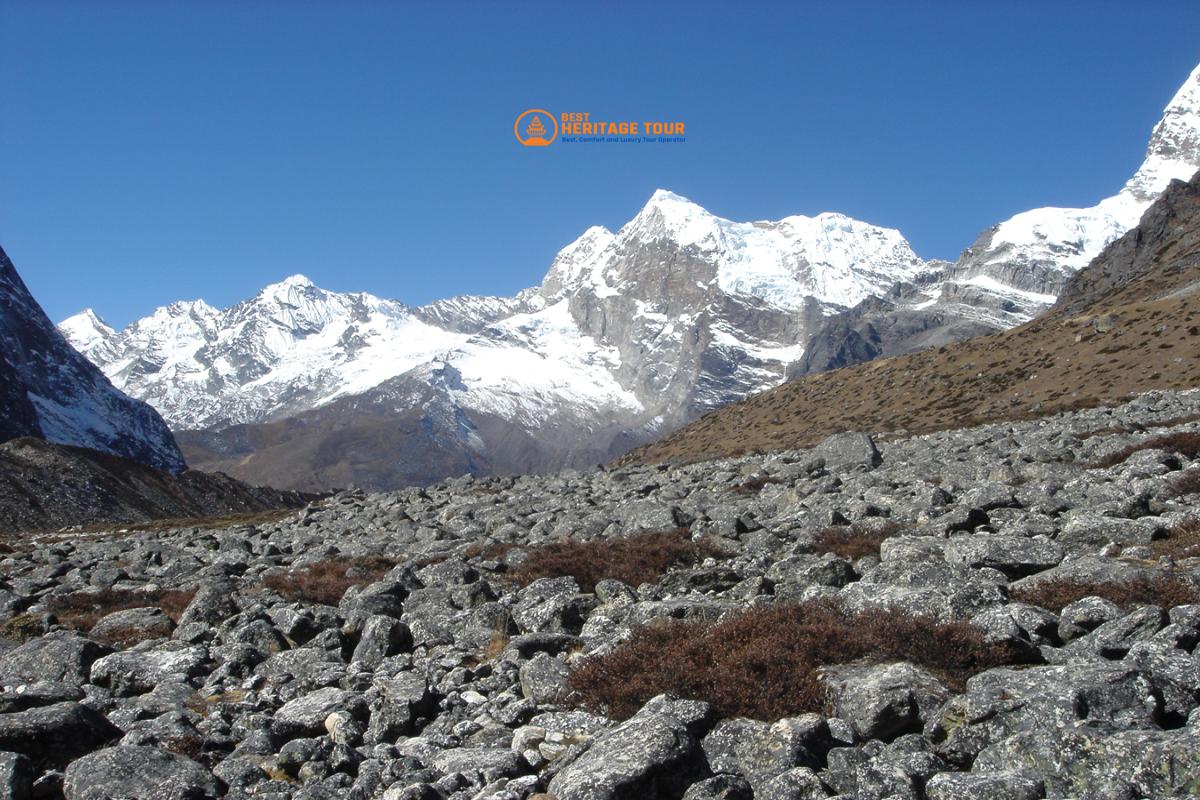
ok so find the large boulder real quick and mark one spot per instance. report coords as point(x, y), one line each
point(305, 716)
point(1015, 556)
point(61, 656)
point(882, 701)
point(656, 753)
point(849, 450)
point(144, 773)
point(52, 736)
point(133, 624)
point(1087, 760)
point(1000, 785)
point(139, 670)
point(17, 774)
point(1002, 702)
point(760, 751)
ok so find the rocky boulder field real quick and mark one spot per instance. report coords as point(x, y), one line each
point(1007, 612)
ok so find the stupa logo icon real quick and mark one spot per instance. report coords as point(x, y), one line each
point(536, 128)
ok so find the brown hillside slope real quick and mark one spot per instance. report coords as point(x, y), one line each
point(1128, 323)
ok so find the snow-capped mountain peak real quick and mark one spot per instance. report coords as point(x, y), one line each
point(86, 330)
point(1174, 147)
point(673, 216)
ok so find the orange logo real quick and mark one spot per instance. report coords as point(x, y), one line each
point(534, 130)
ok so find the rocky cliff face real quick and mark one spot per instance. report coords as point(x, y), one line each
point(48, 390)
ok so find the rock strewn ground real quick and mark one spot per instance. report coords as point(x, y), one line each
point(437, 679)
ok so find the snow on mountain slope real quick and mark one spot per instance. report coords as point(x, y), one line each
point(53, 392)
point(531, 366)
point(291, 347)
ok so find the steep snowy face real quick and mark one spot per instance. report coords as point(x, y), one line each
point(1174, 150)
point(1037, 250)
point(51, 391)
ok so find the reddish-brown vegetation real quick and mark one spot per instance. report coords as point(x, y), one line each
point(1187, 482)
point(1155, 591)
point(82, 610)
point(1184, 443)
point(1182, 540)
point(634, 560)
point(764, 662)
point(854, 541)
point(326, 581)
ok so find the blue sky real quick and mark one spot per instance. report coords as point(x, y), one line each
point(153, 152)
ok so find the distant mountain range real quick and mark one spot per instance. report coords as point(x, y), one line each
point(630, 335)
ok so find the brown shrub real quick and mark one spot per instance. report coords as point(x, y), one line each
point(1184, 443)
point(764, 662)
point(82, 610)
point(1187, 482)
point(634, 560)
point(326, 581)
point(1165, 591)
point(854, 541)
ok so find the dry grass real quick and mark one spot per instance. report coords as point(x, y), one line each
point(326, 581)
point(641, 558)
point(82, 610)
point(854, 541)
point(1184, 443)
point(1165, 592)
point(764, 662)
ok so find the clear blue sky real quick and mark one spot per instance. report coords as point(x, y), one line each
point(151, 152)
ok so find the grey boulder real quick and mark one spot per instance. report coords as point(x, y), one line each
point(138, 773)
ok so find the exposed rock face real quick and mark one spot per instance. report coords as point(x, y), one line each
point(442, 679)
point(50, 391)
